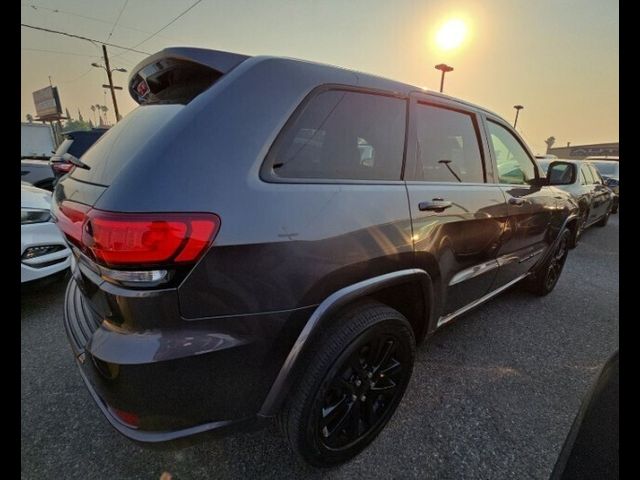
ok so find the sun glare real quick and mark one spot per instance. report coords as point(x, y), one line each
point(451, 34)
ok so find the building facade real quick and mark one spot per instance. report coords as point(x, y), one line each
point(579, 152)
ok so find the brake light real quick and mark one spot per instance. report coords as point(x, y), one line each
point(130, 419)
point(148, 239)
point(141, 240)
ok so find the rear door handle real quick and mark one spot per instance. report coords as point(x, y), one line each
point(436, 205)
point(517, 201)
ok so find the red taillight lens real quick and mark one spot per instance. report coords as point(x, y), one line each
point(134, 239)
point(71, 217)
point(138, 239)
point(62, 167)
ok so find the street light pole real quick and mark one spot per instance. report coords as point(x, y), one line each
point(444, 69)
point(113, 91)
point(518, 108)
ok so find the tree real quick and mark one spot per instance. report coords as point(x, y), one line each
point(80, 115)
point(93, 109)
point(29, 118)
point(550, 141)
point(104, 110)
point(66, 111)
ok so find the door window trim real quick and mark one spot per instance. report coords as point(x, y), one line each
point(411, 161)
point(266, 173)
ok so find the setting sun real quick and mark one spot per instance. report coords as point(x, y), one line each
point(451, 34)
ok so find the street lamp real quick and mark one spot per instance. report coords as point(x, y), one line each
point(518, 108)
point(444, 69)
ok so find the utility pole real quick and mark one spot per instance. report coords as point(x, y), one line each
point(111, 87)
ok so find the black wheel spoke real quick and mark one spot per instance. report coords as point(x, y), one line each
point(392, 368)
point(339, 420)
point(355, 419)
point(386, 349)
point(384, 384)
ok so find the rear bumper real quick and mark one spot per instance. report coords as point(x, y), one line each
point(179, 381)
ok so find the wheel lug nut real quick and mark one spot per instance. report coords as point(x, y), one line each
point(358, 382)
point(354, 397)
point(382, 375)
point(369, 375)
point(363, 398)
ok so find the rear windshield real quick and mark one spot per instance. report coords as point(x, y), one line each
point(121, 142)
point(82, 141)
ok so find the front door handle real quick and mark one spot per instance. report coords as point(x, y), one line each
point(435, 205)
point(516, 201)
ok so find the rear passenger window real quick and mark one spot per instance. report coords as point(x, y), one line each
point(448, 148)
point(343, 135)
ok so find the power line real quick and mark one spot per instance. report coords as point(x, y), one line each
point(58, 51)
point(158, 31)
point(86, 17)
point(118, 19)
point(92, 40)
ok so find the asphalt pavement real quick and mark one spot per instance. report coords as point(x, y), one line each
point(493, 395)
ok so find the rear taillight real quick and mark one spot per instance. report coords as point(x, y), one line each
point(62, 167)
point(117, 239)
point(137, 242)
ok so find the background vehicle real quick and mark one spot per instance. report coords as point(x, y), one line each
point(610, 171)
point(75, 143)
point(37, 173)
point(592, 448)
point(258, 258)
point(43, 251)
point(36, 141)
point(582, 180)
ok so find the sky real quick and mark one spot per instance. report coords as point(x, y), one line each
point(559, 59)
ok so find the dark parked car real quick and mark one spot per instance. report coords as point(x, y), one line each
point(581, 179)
point(610, 171)
point(37, 173)
point(592, 448)
point(266, 237)
point(75, 143)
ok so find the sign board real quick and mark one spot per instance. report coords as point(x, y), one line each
point(47, 103)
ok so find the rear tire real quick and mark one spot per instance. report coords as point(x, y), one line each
point(546, 276)
point(354, 378)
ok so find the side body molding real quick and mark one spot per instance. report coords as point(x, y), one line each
point(331, 305)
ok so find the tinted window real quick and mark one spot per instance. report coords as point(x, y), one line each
point(448, 149)
point(587, 174)
point(514, 164)
point(343, 135)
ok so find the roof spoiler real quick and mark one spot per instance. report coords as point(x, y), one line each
point(221, 62)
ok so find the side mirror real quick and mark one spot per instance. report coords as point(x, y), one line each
point(561, 173)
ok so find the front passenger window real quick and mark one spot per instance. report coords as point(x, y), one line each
point(514, 164)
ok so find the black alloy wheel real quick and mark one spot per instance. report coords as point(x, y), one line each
point(545, 278)
point(362, 392)
point(353, 378)
point(554, 268)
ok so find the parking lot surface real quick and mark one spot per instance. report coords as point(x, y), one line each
point(493, 395)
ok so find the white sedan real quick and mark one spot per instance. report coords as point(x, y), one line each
point(43, 250)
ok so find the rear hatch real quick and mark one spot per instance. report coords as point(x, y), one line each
point(163, 85)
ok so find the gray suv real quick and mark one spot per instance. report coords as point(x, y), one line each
point(266, 237)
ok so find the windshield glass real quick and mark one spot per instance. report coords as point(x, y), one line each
point(607, 168)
